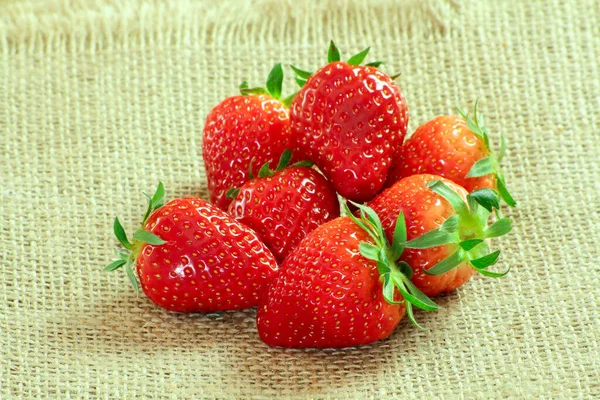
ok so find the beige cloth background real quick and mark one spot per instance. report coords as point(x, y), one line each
point(101, 99)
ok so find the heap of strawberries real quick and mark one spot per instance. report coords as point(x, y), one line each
point(272, 235)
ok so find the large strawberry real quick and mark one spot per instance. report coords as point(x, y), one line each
point(284, 205)
point(349, 120)
point(192, 257)
point(457, 148)
point(446, 228)
point(253, 126)
point(340, 287)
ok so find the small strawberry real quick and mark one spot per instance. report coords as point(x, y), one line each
point(349, 120)
point(446, 228)
point(192, 257)
point(340, 287)
point(255, 126)
point(284, 205)
point(456, 148)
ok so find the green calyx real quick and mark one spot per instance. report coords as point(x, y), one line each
point(333, 55)
point(467, 229)
point(490, 164)
point(127, 257)
point(273, 87)
point(266, 171)
point(395, 275)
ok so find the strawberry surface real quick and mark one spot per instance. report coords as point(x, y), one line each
point(284, 207)
point(349, 120)
point(327, 294)
point(190, 256)
point(428, 213)
point(238, 131)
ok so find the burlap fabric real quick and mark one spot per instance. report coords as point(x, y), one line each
point(99, 100)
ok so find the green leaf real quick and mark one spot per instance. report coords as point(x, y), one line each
point(493, 274)
point(243, 85)
point(498, 228)
point(399, 236)
point(256, 90)
point(357, 59)
point(264, 171)
point(487, 198)
point(148, 237)
point(157, 198)
point(333, 54)
point(232, 193)
point(389, 289)
point(450, 225)
point(462, 113)
point(394, 77)
point(504, 193)
point(115, 265)
point(405, 268)
point(301, 73)
point(284, 160)
point(120, 234)
point(421, 296)
point(450, 195)
point(448, 263)
point(369, 250)
point(132, 277)
point(305, 163)
point(434, 238)
point(288, 100)
point(411, 316)
point(275, 81)
point(467, 245)
point(482, 167)
point(414, 300)
point(372, 217)
point(375, 64)
point(485, 261)
point(361, 224)
point(300, 81)
point(383, 268)
point(502, 148)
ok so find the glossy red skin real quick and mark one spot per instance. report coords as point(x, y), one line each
point(349, 120)
point(282, 209)
point(237, 130)
point(210, 262)
point(327, 294)
point(423, 210)
point(444, 146)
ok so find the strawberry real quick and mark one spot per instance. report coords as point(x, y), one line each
point(457, 148)
point(349, 120)
point(446, 227)
point(284, 205)
point(192, 257)
point(254, 125)
point(340, 287)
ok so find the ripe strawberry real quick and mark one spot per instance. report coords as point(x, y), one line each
point(242, 128)
point(446, 228)
point(284, 205)
point(455, 148)
point(339, 287)
point(349, 120)
point(192, 257)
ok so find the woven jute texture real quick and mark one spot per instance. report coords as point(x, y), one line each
point(99, 100)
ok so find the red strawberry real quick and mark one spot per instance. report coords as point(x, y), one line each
point(254, 126)
point(192, 257)
point(349, 120)
point(455, 148)
point(446, 228)
point(339, 288)
point(284, 205)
